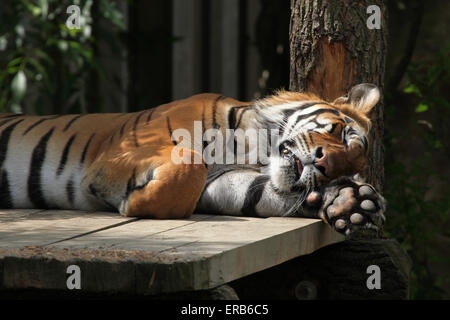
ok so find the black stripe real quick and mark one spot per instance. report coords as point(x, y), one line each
point(38, 123)
point(33, 125)
point(112, 138)
point(348, 120)
point(253, 195)
point(232, 116)
point(302, 144)
point(204, 143)
point(169, 127)
point(5, 193)
point(135, 127)
point(123, 127)
point(203, 121)
point(149, 117)
point(34, 178)
point(6, 121)
point(311, 137)
point(290, 112)
point(303, 139)
point(71, 122)
point(86, 147)
point(318, 111)
point(365, 142)
point(4, 141)
point(333, 127)
point(64, 155)
point(240, 117)
point(93, 190)
point(214, 112)
point(70, 191)
point(131, 184)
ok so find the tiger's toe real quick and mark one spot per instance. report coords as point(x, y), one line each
point(349, 206)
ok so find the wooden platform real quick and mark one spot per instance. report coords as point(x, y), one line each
point(143, 256)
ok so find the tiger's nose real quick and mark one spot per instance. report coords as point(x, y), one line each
point(321, 160)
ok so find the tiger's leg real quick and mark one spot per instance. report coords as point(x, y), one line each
point(147, 185)
point(245, 193)
point(172, 193)
point(345, 204)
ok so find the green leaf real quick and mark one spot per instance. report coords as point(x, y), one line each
point(438, 144)
point(35, 10)
point(15, 62)
point(43, 56)
point(421, 108)
point(13, 70)
point(38, 67)
point(412, 88)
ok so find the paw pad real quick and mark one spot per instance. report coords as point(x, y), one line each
point(356, 218)
point(340, 224)
point(365, 191)
point(368, 205)
point(350, 206)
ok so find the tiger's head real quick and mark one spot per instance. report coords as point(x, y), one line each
point(318, 140)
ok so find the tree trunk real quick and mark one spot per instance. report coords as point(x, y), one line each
point(332, 49)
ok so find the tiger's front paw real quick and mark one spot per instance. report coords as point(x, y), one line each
point(348, 205)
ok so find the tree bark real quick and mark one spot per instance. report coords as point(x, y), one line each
point(331, 50)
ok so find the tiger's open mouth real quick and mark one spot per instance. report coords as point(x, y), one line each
point(298, 168)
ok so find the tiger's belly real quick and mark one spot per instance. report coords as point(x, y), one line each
point(42, 167)
point(28, 183)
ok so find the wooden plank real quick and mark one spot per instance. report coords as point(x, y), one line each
point(142, 235)
point(150, 256)
point(11, 215)
point(21, 228)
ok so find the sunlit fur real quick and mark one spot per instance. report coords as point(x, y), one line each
point(342, 134)
point(124, 161)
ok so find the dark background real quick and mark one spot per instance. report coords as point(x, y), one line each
point(137, 54)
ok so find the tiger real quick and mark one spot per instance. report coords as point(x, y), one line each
point(124, 162)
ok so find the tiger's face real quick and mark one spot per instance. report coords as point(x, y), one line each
point(322, 141)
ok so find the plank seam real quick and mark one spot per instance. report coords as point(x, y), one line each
point(93, 231)
point(177, 227)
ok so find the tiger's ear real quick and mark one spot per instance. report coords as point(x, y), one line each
point(362, 97)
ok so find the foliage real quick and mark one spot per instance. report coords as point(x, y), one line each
point(419, 213)
point(42, 61)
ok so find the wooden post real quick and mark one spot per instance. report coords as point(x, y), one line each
point(334, 45)
point(187, 60)
point(333, 49)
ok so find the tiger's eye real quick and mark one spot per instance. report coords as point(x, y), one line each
point(286, 151)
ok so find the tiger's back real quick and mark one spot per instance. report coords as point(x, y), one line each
point(45, 160)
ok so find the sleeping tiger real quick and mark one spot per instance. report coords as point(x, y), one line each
point(125, 162)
